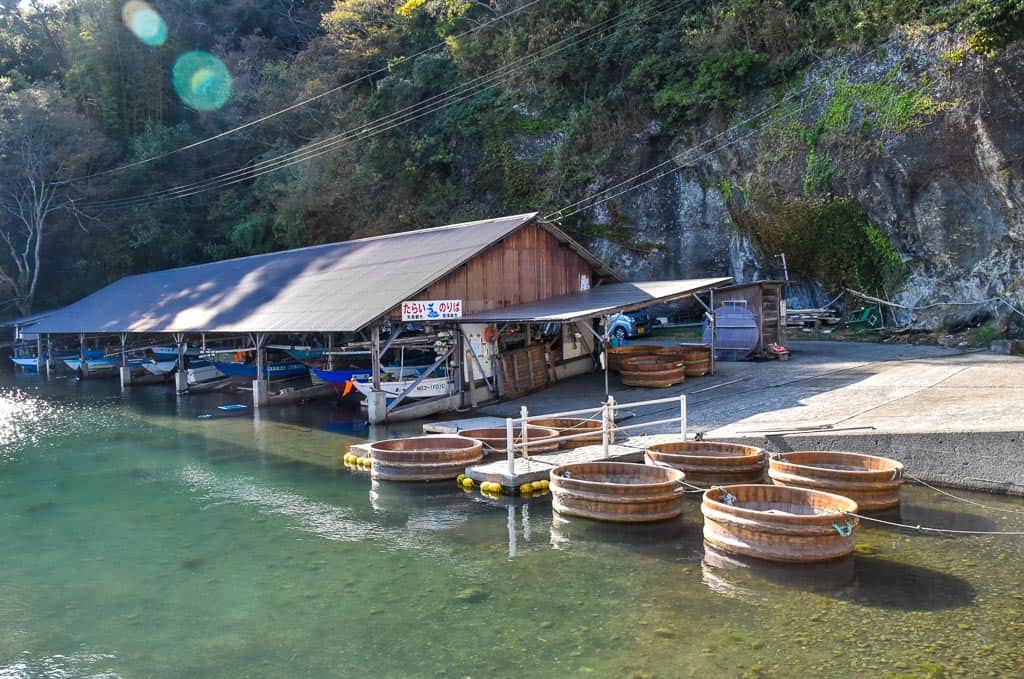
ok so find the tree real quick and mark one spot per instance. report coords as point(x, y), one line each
point(43, 143)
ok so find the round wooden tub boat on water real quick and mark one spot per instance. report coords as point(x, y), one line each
point(652, 371)
point(495, 441)
point(707, 464)
point(616, 355)
point(623, 492)
point(872, 482)
point(587, 432)
point(778, 523)
point(424, 458)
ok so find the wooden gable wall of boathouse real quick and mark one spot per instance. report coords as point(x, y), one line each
point(530, 264)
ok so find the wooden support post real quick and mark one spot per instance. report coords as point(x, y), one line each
point(510, 448)
point(181, 376)
point(39, 354)
point(124, 349)
point(49, 355)
point(330, 351)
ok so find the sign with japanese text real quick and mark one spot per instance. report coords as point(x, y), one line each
point(432, 310)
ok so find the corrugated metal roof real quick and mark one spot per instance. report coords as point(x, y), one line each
point(598, 301)
point(339, 287)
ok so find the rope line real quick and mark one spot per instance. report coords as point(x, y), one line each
point(961, 499)
point(934, 530)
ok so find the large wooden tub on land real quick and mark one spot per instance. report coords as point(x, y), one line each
point(706, 464)
point(587, 432)
point(495, 439)
point(652, 371)
point(617, 491)
point(697, 360)
point(870, 481)
point(616, 355)
point(423, 458)
point(778, 523)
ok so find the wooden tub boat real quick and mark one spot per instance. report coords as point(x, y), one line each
point(495, 440)
point(870, 481)
point(778, 523)
point(697, 360)
point(423, 458)
point(622, 492)
point(652, 371)
point(707, 464)
point(616, 355)
point(573, 426)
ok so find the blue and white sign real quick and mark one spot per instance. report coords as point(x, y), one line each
point(432, 310)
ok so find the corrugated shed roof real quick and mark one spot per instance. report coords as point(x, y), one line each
point(598, 301)
point(339, 287)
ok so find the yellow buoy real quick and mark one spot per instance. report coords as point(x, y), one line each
point(542, 485)
point(485, 487)
point(496, 488)
point(459, 478)
point(467, 483)
point(526, 488)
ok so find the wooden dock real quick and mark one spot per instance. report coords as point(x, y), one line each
point(455, 426)
point(538, 467)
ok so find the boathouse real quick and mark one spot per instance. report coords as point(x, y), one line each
point(508, 305)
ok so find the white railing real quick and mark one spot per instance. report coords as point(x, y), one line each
point(606, 412)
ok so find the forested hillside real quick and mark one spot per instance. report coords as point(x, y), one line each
point(876, 142)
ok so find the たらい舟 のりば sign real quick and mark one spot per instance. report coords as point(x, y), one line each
point(432, 310)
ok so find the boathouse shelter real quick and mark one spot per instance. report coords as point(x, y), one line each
point(504, 285)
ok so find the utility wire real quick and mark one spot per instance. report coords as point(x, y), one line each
point(298, 104)
point(432, 104)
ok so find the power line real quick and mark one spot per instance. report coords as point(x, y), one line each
point(402, 116)
point(299, 104)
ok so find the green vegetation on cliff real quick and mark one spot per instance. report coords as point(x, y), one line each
point(550, 103)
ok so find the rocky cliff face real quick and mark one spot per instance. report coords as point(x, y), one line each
point(927, 137)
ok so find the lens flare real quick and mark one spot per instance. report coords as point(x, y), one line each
point(201, 80)
point(144, 21)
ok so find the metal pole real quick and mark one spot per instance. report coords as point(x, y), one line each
point(375, 355)
point(605, 429)
point(124, 350)
point(524, 413)
point(81, 349)
point(330, 351)
point(49, 354)
point(714, 331)
point(682, 415)
point(39, 354)
point(260, 368)
point(509, 449)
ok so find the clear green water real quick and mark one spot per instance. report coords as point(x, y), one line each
point(138, 540)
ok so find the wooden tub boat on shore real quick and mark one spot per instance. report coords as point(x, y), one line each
point(870, 481)
point(616, 355)
point(423, 458)
point(697, 360)
point(777, 523)
point(652, 371)
point(587, 432)
point(622, 492)
point(706, 463)
point(495, 440)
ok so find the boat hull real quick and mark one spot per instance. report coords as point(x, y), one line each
point(273, 371)
point(428, 388)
